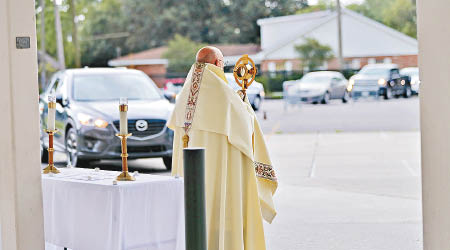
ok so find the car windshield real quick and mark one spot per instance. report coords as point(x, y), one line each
point(232, 82)
point(374, 71)
point(104, 87)
point(315, 78)
point(410, 72)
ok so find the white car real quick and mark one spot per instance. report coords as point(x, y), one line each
point(413, 73)
point(255, 92)
point(320, 86)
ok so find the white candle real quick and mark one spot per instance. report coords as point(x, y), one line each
point(123, 108)
point(51, 113)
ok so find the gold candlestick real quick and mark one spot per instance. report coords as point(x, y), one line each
point(124, 176)
point(50, 167)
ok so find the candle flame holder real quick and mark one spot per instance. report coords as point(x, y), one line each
point(125, 175)
point(50, 167)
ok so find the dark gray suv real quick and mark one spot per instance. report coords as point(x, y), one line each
point(87, 115)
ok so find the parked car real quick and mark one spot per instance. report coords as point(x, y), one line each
point(87, 115)
point(413, 73)
point(320, 86)
point(172, 89)
point(255, 92)
point(379, 80)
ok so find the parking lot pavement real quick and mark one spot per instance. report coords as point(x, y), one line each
point(349, 175)
point(338, 191)
point(364, 115)
point(347, 191)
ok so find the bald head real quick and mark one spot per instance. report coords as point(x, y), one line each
point(210, 54)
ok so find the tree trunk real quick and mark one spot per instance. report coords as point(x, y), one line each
point(59, 38)
point(75, 33)
point(43, 62)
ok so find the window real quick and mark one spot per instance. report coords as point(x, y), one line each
point(356, 63)
point(395, 72)
point(387, 60)
point(371, 61)
point(272, 67)
point(288, 66)
point(54, 85)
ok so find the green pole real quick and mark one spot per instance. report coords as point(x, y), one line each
point(194, 198)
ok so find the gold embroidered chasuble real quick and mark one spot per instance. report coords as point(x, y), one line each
point(240, 180)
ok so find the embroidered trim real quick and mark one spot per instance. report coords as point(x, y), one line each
point(193, 96)
point(264, 171)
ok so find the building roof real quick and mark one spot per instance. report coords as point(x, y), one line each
point(362, 36)
point(155, 55)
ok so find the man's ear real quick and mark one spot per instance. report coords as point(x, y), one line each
point(216, 62)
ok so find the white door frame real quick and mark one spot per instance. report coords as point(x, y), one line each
point(21, 216)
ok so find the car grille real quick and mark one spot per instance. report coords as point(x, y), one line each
point(155, 126)
point(368, 83)
point(143, 149)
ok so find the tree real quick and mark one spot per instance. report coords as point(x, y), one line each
point(402, 16)
point(397, 14)
point(321, 5)
point(181, 53)
point(313, 54)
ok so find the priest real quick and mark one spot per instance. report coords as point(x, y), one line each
point(239, 176)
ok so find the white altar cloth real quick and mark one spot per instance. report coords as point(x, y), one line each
point(83, 210)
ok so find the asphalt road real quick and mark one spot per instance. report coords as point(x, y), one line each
point(364, 115)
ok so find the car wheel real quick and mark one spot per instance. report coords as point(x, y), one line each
point(408, 92)
point(72, 149)
point(346, 97)
point(388, 94)
point(168, 162)
point(256, 103)
point(326, 98)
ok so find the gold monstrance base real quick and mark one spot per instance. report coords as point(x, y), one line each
point(124, 176)
point(50, 167)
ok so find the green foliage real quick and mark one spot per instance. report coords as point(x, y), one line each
point(153, 23)
point(321, 5)
point(313, 54)
point(397, 14)
point(181, 53)
point(274, 83)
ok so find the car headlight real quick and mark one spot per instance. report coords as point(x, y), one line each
point(382, 82)
point(87, 120)
point(349, 87)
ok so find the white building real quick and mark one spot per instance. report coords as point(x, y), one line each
point(364, 40)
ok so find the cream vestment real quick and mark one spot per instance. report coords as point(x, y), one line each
point(240, 180)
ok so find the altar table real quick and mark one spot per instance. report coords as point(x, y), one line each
point(84, 210)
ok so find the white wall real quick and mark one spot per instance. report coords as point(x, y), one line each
point(21, 213)
point(434, 63)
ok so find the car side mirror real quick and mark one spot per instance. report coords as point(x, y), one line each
point(170, 96)
point(60, 100)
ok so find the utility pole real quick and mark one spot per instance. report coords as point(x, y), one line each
point(341, 58)
point(43, 62)
point(59, 38)
point(75, 33)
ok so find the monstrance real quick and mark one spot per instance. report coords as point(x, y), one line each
point(244, 73)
